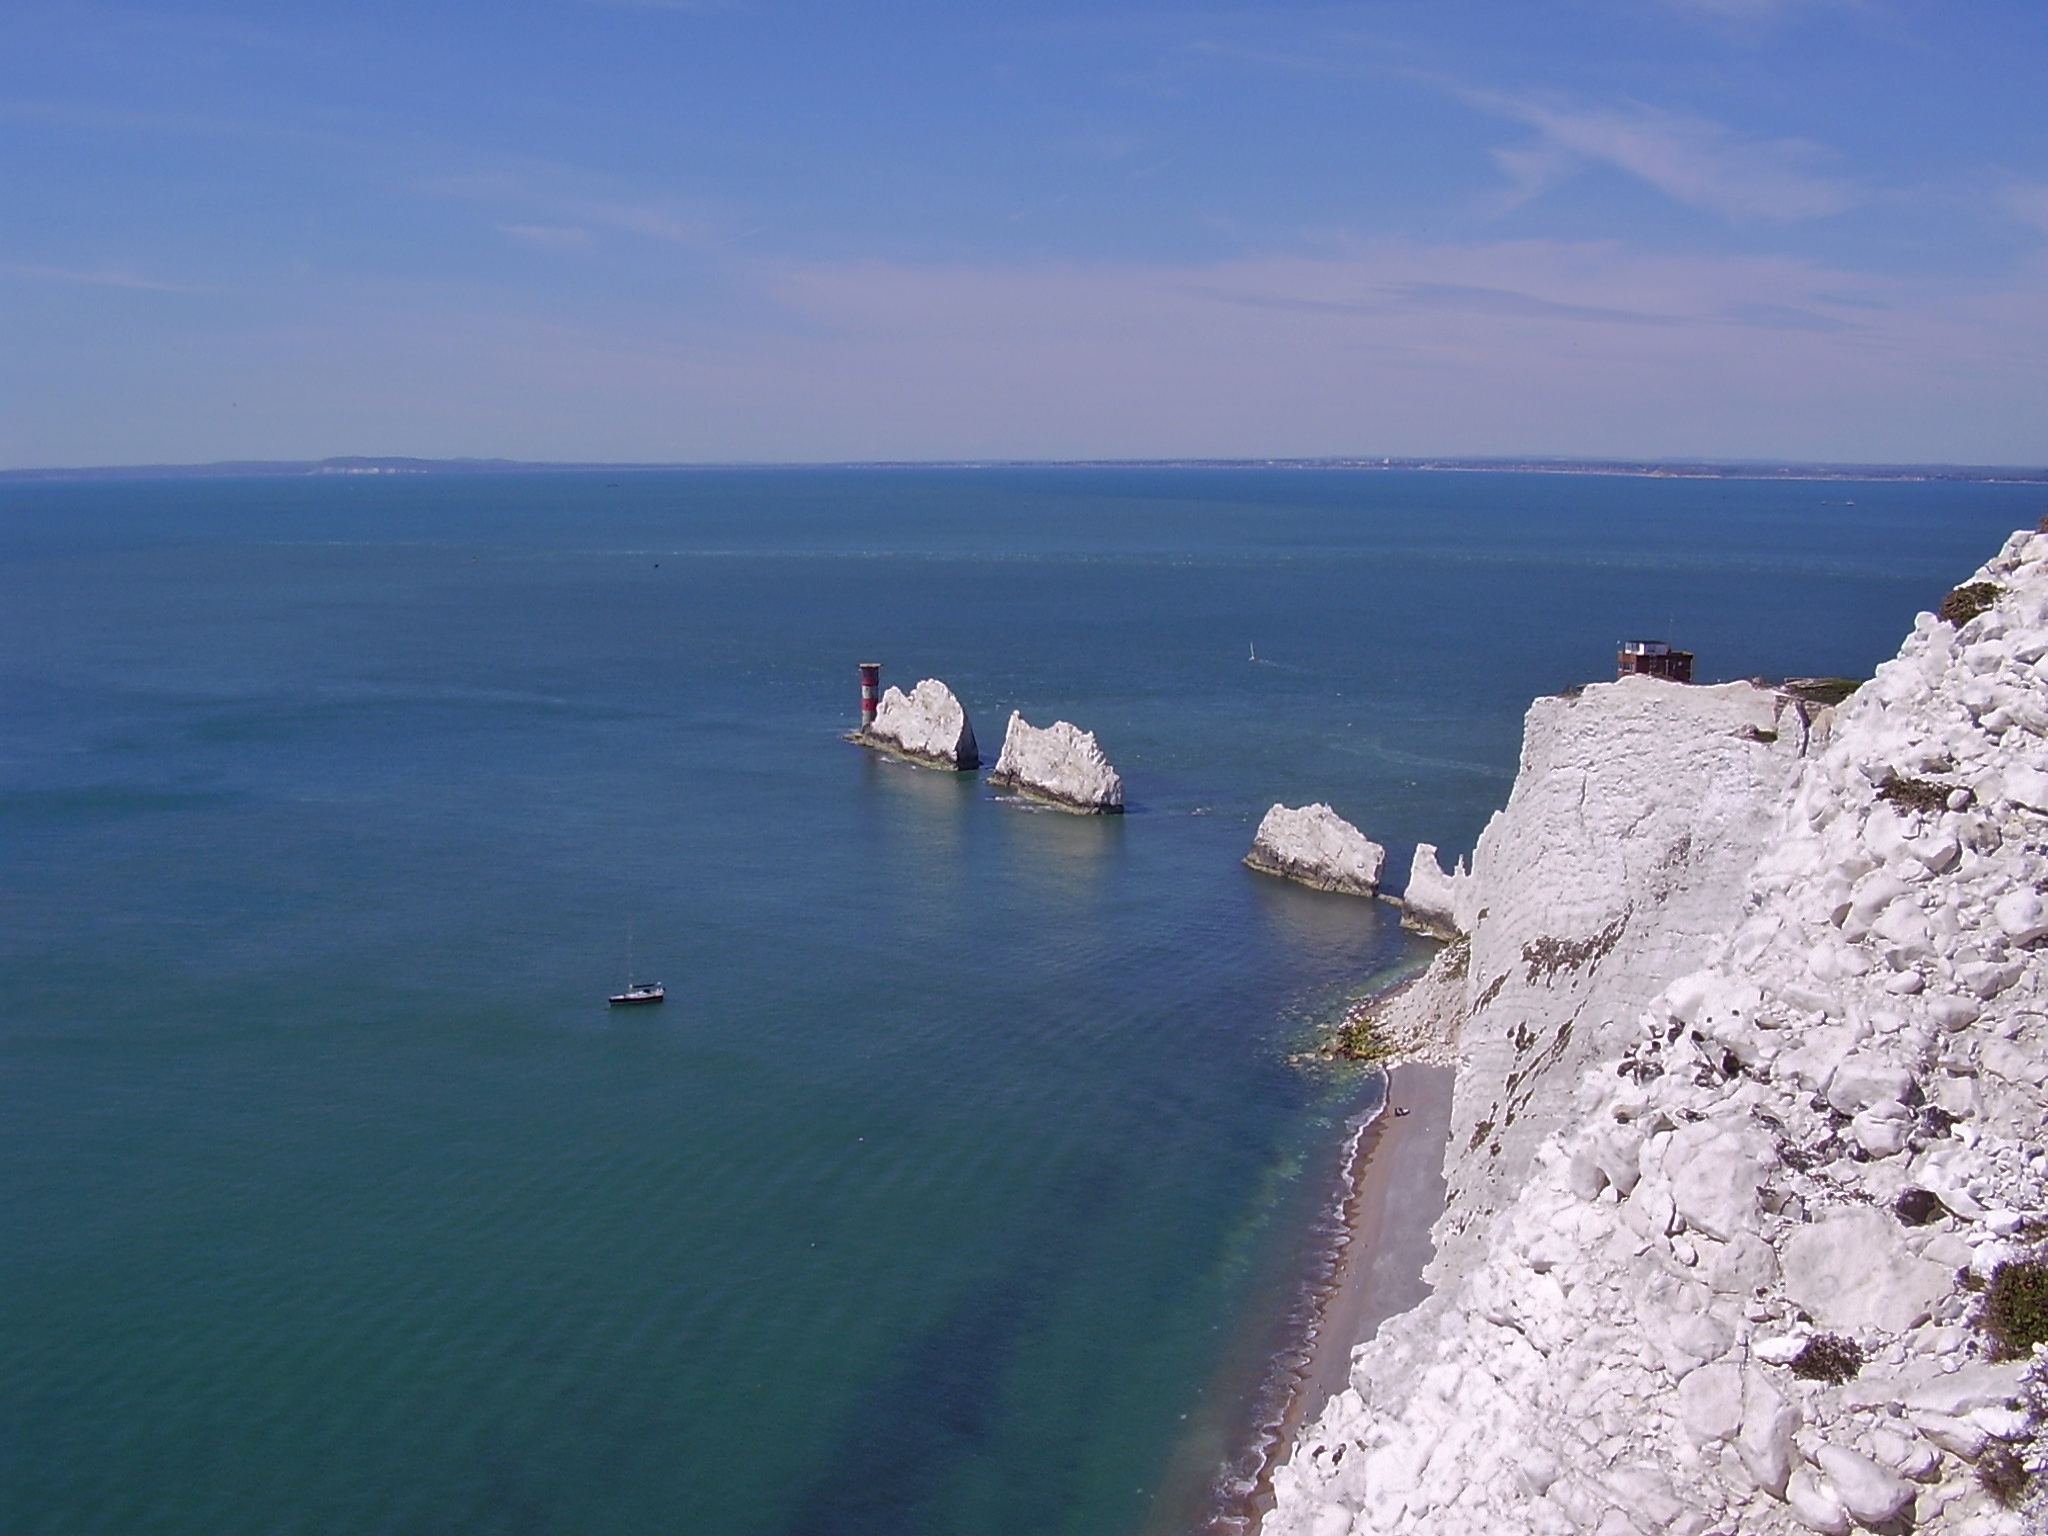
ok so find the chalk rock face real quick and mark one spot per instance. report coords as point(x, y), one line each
point(1060, 764)
point(927, 725)
point(1317, 847)
point(1705, 1112)
point(1588, 895)
point(1434, 901)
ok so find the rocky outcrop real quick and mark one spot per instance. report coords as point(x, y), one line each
point(1435, 902)
point(1061, 765)
point(1418, 1021)
point(1315, 846)
point(1737, 1163)
point(926, 725)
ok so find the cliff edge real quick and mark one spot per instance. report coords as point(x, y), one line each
point(1748, 1197)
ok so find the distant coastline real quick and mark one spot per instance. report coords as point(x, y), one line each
point(1662, 469)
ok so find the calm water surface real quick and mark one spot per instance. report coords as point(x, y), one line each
point(947, 1189)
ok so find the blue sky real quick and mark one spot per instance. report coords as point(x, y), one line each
point(796, 231)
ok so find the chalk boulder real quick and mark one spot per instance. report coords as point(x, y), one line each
point(1059, 764)
point(1852, 1270)
point(1816, 1505)
point(1766, 1447)
point(927, 725)
point(1871, 1494)
point(1714, 1172)
point(1317, 847)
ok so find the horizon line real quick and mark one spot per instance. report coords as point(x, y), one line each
point(1668, 468)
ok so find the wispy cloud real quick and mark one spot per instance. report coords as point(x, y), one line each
point(569, 204)
point(1743, 10)
point(2029, 205)
point(97, 277)
point(1514, 347)
point(1391, 298)
point(1511, 303)
point(1692, 160)
point(547, 237)
point(1519, 346)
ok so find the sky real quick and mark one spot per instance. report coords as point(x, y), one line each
point(777, 230)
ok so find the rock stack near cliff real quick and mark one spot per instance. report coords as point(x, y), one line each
point(1317, 847)
point(926, 725)
point(1436, 902)
point(1748, 1222)
point(1060, 765)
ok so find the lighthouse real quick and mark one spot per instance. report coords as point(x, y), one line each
point(870, 691)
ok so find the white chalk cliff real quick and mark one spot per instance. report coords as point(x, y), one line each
point(1317, 847)
point(927, 724)
point(1060, 764)
point(1754, 1049)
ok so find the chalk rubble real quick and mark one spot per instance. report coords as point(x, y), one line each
point(1754, 1047)
point(1315, 846)
point(1059, 764)
point(926, 725)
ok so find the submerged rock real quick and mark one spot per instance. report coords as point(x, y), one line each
point(927, 725)
point(1060, 764)
point(1317, 847)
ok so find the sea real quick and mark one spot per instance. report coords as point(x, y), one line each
point(963, 1181)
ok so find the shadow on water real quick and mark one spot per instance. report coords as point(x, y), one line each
point(926, 811)
point(941, 1402)
point(1324, 926)
point(1061, 855)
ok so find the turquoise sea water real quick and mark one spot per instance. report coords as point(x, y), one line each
point(959, 1183)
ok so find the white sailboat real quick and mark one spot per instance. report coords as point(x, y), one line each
point(637, 993)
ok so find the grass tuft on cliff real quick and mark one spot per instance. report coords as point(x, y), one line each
point(2002, 1474)
point(1966, 602)
point(2015, 1308)
point(1821, 690)
point(1914, 794)
point(1828, 1357)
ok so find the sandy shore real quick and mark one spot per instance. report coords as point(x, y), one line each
point(1364, 1265)
point(1397, 1193)
point(1361, 1265)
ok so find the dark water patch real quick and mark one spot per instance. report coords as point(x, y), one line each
point(942, 1401)
point(62, 808)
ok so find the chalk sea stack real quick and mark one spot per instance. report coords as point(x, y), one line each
point(926, 725)
point(1059, 764)
point(1436, 902)
point(1317, 847)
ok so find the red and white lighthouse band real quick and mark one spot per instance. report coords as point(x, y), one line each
point(870, 690)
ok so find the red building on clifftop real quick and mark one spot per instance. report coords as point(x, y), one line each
point(1652, 658)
